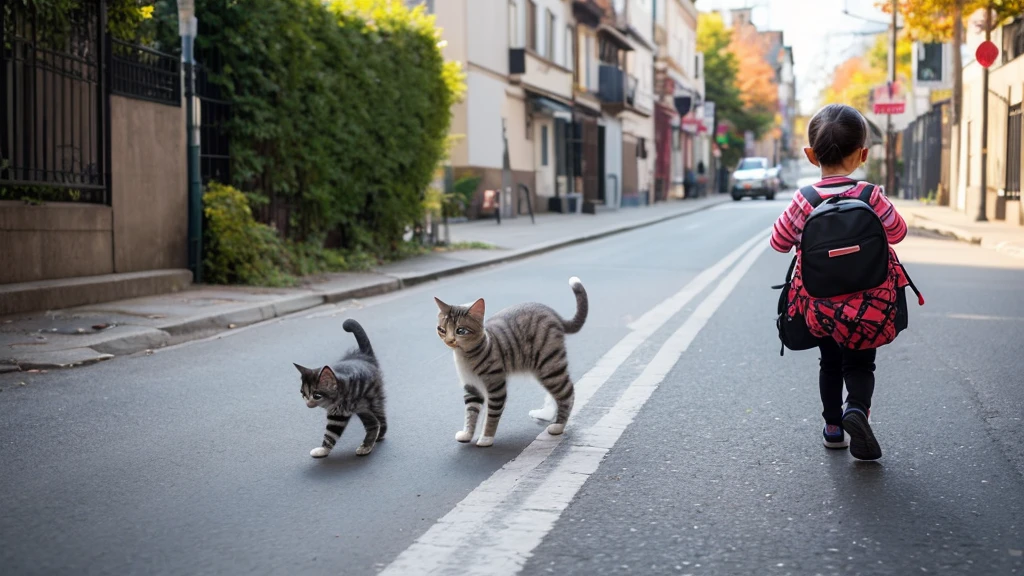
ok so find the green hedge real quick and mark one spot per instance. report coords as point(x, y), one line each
point(340, 113)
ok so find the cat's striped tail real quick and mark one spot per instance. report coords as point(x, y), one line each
point(353, 327)
point(582, 307)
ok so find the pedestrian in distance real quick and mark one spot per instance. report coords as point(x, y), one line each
point(845, 291)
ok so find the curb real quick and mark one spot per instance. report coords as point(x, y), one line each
point(922, 223)
point(205, 326)
point(1004, 247)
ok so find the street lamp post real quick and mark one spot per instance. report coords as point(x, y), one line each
point(188, 27)
point(983, 205)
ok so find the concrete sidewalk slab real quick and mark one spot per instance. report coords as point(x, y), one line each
point(1000, 236)
point(87, 334)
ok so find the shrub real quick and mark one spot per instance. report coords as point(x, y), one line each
point(340, 112)
point(237, 249)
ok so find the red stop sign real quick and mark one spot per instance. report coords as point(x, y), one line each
point(986, 53)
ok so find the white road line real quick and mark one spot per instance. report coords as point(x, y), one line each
point(451, 546)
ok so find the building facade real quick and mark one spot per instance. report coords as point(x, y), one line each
point(1005, 98)
point(679, 92)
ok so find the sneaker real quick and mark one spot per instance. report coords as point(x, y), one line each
point(863, 445)
point(834, 437)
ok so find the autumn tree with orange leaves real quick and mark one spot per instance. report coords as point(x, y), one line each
point(756, 77)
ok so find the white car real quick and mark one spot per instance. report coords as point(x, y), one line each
point(752, 179)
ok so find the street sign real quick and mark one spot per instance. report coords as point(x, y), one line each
point(889, 98)
point(986, 53)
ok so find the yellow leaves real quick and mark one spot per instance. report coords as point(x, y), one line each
point(146, 12)
point(932, 20)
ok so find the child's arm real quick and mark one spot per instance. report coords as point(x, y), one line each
point(895, 225)
point(787, 229)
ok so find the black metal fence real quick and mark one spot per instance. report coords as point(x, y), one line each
point(1013, 144)
point(143, 73)
point(214, 114)
point(53, 126)
point(922, 156)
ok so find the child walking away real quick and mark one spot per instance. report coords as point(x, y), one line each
point(845, 292)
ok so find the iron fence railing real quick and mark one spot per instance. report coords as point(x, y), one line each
point(1013, 145)
point(53, 104)
point(145, 74)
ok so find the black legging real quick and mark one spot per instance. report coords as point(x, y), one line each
point(856, 367)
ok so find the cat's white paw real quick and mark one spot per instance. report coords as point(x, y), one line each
point(319, 452)
point(548, 412)
point(544, 414)
point(463, 436)
point(556, 429)
point(485, 441)
point(364, 450)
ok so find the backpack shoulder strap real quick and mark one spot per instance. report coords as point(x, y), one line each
point(811, 195)
point(865, 194)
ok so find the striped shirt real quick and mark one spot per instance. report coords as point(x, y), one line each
point(790, 226)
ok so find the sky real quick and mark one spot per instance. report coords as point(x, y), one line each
point(821, 34)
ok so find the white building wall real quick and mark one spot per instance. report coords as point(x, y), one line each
point(487, 32)
point(485, 100)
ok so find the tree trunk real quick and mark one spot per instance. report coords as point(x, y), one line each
point(958, 65)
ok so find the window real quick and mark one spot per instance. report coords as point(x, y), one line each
point(531, 25)
point(543, 145)
point(570, 60)
point(753, 164)
point(549, 36)
point(513, 20)
point(1013, 40)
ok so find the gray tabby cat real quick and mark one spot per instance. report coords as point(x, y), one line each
point(354, 385)
point(528, 338)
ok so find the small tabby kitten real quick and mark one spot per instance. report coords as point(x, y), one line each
point(354, 385)
point(528, 338)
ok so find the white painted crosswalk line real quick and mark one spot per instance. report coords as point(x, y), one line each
point(516, 507)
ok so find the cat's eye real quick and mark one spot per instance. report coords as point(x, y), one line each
point(462, 331)
point(440, 331)
point(318, 396)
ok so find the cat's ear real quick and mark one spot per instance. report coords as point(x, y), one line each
point(327, 377)
point(302, 369)
point(444, 308)
point(476, 311)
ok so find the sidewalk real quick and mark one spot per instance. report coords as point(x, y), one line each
point(994, 235)
point(88, 334)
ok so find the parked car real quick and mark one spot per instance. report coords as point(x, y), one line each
point(751, 179)
point(774, 179)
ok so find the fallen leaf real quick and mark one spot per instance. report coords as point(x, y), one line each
point(32, 372)
point(231, 325)
point(101, 326)
point(156, 316)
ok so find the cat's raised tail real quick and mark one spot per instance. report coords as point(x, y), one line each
point(356, 330)
point(582, 307)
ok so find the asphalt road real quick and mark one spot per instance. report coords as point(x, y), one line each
point(195, 460)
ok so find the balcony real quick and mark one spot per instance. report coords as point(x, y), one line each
point(618, 92)
point(532, 71)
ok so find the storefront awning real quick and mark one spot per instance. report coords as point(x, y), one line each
point(550, 106)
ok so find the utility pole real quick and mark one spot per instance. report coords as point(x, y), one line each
point(983, 205)
point(890, 145)
point(958, 69)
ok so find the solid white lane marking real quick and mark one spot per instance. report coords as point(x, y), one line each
point(451, 546)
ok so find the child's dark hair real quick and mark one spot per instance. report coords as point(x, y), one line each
point(835, 132)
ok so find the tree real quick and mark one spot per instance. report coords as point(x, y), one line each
point(853, 80)
point(721, 73)
point(756, 77)
point(943, 21)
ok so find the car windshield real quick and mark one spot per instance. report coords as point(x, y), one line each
point(752, 164)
